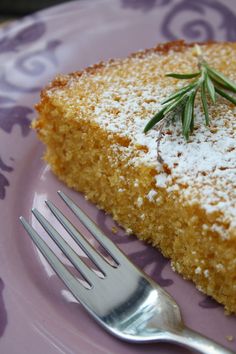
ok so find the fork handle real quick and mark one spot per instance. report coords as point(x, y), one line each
point(200, 343)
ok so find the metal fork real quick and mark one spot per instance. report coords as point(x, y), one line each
point(123, 299)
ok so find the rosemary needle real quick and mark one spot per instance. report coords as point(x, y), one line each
point(181, 103)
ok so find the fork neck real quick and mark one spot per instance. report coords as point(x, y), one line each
point(200, 343)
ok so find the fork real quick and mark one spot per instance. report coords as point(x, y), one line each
point(120, 297)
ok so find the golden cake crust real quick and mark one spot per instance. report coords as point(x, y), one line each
point(177, 46)
point(92, 124)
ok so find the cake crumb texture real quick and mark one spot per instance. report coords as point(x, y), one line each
point(92, 125)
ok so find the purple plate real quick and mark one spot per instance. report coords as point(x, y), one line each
point(37, 314)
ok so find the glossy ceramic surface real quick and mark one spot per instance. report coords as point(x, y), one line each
point(37, 314)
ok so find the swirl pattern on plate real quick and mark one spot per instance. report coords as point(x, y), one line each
point(3, 317)
point(30, 65)
point(190, 19)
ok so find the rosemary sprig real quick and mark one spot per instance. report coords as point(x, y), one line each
point(181, 103)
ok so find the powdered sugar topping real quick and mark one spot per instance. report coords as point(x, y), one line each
point(207, 163)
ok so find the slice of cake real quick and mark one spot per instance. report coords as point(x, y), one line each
point(92, 124)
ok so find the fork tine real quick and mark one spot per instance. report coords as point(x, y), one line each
point(87, 273)
point(109, 246)
point(97, 259)
point(77, 289)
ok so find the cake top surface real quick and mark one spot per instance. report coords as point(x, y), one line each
point(123, 95)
